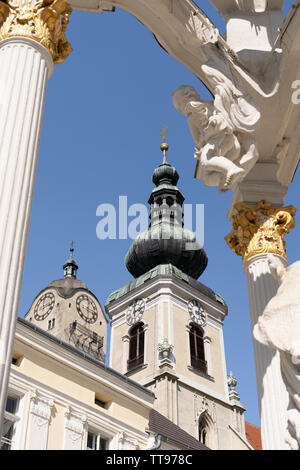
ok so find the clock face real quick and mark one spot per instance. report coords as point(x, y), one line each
point(44, 306)
point(135, 311)
point(197, 313)
point(86, 308)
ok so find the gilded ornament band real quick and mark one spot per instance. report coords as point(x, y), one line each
point(44, 21)
point(260, 229)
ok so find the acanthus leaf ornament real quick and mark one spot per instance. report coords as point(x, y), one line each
point(260, 229)
point(44, 21)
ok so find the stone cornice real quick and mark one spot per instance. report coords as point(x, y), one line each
point(164, 282)
point(109, 422)
point(64, 353)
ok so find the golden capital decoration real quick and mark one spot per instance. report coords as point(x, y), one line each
point(45, 21)
point(260, 229)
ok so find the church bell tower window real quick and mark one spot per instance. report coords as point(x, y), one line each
point(136, 346)
point(197, 349)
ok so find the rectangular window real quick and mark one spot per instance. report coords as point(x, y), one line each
point(95, 441)
point(197, 350)
point(136, 347)
point(100, 403)
point(10, 422)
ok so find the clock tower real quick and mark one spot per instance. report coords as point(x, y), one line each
point(69, 311)
point(167, 327)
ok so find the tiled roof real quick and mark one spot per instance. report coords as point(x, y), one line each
point(253, 435)
point(170, 431)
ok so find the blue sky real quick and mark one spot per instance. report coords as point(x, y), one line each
point(104, 110)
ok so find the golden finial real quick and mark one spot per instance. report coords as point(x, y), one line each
point(164, 146)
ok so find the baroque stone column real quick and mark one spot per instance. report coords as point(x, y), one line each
point(31, 40)
point(258, 231)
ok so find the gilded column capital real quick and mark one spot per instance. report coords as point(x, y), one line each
point(44, 21)
point(260, 229)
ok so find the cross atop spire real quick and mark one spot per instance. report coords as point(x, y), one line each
point(72, 249)
point(163, 133)
point(164, 146)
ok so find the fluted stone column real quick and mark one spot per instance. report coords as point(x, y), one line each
point(31, 41)
point(272, 394)
point(258, 232)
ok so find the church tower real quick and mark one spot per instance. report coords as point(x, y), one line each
point(69, 311)
point(167, 327)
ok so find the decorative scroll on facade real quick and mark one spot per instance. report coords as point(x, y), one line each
point(260, 229)
point(45, 21)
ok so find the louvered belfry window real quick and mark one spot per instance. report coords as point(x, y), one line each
point(136, 346)
point(197, 349)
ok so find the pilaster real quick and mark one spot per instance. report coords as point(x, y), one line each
point(127, 443)
point(40, 415)
point(74, 430)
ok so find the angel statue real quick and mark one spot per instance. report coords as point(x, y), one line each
point(225, 158)
point(279, 328)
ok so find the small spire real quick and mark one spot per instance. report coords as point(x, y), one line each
point(70, 267)
point(233, 394)
point(164, 146)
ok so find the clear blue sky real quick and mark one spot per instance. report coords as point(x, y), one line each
point(101, 134)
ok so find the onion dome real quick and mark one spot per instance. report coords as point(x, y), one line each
point(165, 173)
point(166, 241)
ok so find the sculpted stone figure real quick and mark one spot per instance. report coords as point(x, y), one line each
point(225, 157)
point(279, 328)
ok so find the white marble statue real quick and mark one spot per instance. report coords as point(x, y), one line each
point(225, 155)
point(279, 328)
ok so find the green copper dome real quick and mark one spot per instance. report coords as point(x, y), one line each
point(166, 241)
point(70, 267)
point(165, 174)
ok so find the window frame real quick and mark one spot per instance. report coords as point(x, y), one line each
point(138, 360)
point(99, 433)
point(20, 416)
point(203, 431)
point(198, 358)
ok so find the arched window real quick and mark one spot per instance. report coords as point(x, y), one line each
point(136, 346)
point(197, 349)
point(203, 431)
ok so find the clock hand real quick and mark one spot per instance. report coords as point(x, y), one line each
point(45, 305)
point(86, 308)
